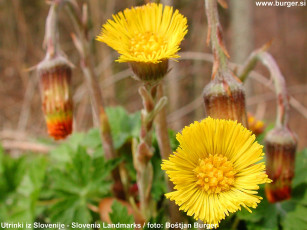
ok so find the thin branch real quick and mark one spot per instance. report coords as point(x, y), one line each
point(26, 146)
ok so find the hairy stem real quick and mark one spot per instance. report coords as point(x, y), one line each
point(165, 150)
point(279, 81)
point(144, 152)
point(215, 36)
point(51, 39)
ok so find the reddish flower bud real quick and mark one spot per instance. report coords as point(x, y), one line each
point(280, 151)
point(224, 98)
point(54, 80)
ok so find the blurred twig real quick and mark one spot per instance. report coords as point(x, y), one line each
point(26, 106)
point(25, 146)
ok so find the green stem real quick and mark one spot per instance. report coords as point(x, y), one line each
point(235, 223)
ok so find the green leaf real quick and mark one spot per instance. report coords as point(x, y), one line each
point(92, 139)
point(265, 216)
point(120, 215)
point(124, 126)
point(296, 219)
point(26, 176)
point(71, 209)
point(173, 141)
point(158, 183)
point(260, 138)
point(61, 155)
point(81, 181)
point(1, 160)
point(289, 214)
point(300, 168)
point(295, 209)
point(159, 219)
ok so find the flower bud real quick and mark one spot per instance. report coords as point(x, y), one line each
point(54, 81)
point(148, 71)
point(254, 125)
point(224, 98)
point(280, 151)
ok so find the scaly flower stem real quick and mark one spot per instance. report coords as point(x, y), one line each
point(165, 150)
point(161, 128)
point(82, 43)
point(279, 82)
point(144, 151)
point(215, 35)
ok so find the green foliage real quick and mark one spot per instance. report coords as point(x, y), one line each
point(159, 219)
point(21, 181)
point(300, 168)
point(288, 215)
point(158, 184)
point(124, 126)
point(120, 215)
point(62, 185)
point(81, 182)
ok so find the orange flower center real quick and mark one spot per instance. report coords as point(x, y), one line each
point(147, 45)
point(215, 174)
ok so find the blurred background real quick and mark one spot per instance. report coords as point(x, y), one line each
point(246, 27)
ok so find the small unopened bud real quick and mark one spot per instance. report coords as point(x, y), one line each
point(148, 71)
point(224, 98)
point(54, 81)
point(254, 125)
point(280, 152)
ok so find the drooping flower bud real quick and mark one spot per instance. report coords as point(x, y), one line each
point(224, 98)
point(254, 125)
point(54, 81)
point(280, 151)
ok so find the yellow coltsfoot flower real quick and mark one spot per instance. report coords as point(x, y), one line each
point(146, 37)
point(215, 170)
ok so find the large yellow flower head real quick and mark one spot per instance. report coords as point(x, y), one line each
point(147, 33)
point(215, 169)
